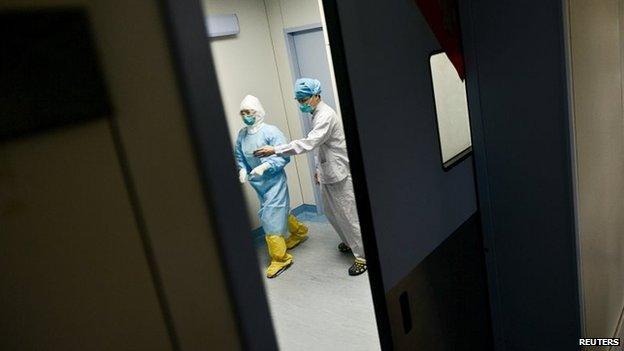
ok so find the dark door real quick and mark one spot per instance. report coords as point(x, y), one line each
point(420, 221)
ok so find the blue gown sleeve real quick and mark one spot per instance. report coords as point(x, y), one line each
point(276, 137)
point(238, 154)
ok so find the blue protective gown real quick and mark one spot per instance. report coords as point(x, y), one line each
point(271, 187)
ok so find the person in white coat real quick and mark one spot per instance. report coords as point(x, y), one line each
point(327, 140)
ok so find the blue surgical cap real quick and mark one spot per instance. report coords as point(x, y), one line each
point(306, 87)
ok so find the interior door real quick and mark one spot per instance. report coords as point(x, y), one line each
point(419, 221)
point(312, 60)
point(309, 57)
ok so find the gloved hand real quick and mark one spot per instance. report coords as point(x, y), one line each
point(260, 169)
point(242, 175)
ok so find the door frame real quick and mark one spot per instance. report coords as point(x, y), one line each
point(489, 179)
point(362, 198)
point(574, 162)
point(305, 123)
point(197, 84)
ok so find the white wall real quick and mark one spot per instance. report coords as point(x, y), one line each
point(596, 56)
point(256, 62)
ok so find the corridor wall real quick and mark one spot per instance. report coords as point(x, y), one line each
point(596, 38)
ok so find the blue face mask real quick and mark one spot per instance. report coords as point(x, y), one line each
point(306, 108)
point(249, 120)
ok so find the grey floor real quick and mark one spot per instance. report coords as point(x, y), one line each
point(315, 304)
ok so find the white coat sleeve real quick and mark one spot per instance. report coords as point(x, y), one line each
point(317, 136)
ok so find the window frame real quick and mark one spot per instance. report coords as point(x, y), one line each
point(465, 153)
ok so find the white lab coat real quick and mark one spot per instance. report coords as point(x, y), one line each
point(332, 163)
point(328, 140)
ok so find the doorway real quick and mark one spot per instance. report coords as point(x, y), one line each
point(308, 57)
point(315, 303)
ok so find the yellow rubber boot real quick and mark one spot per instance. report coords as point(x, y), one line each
point(298, 232)
point(280, 260)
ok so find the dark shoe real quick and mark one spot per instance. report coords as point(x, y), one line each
point(342, 247)
point(357, 268)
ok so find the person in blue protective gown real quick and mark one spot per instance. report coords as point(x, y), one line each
point(267, 177)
